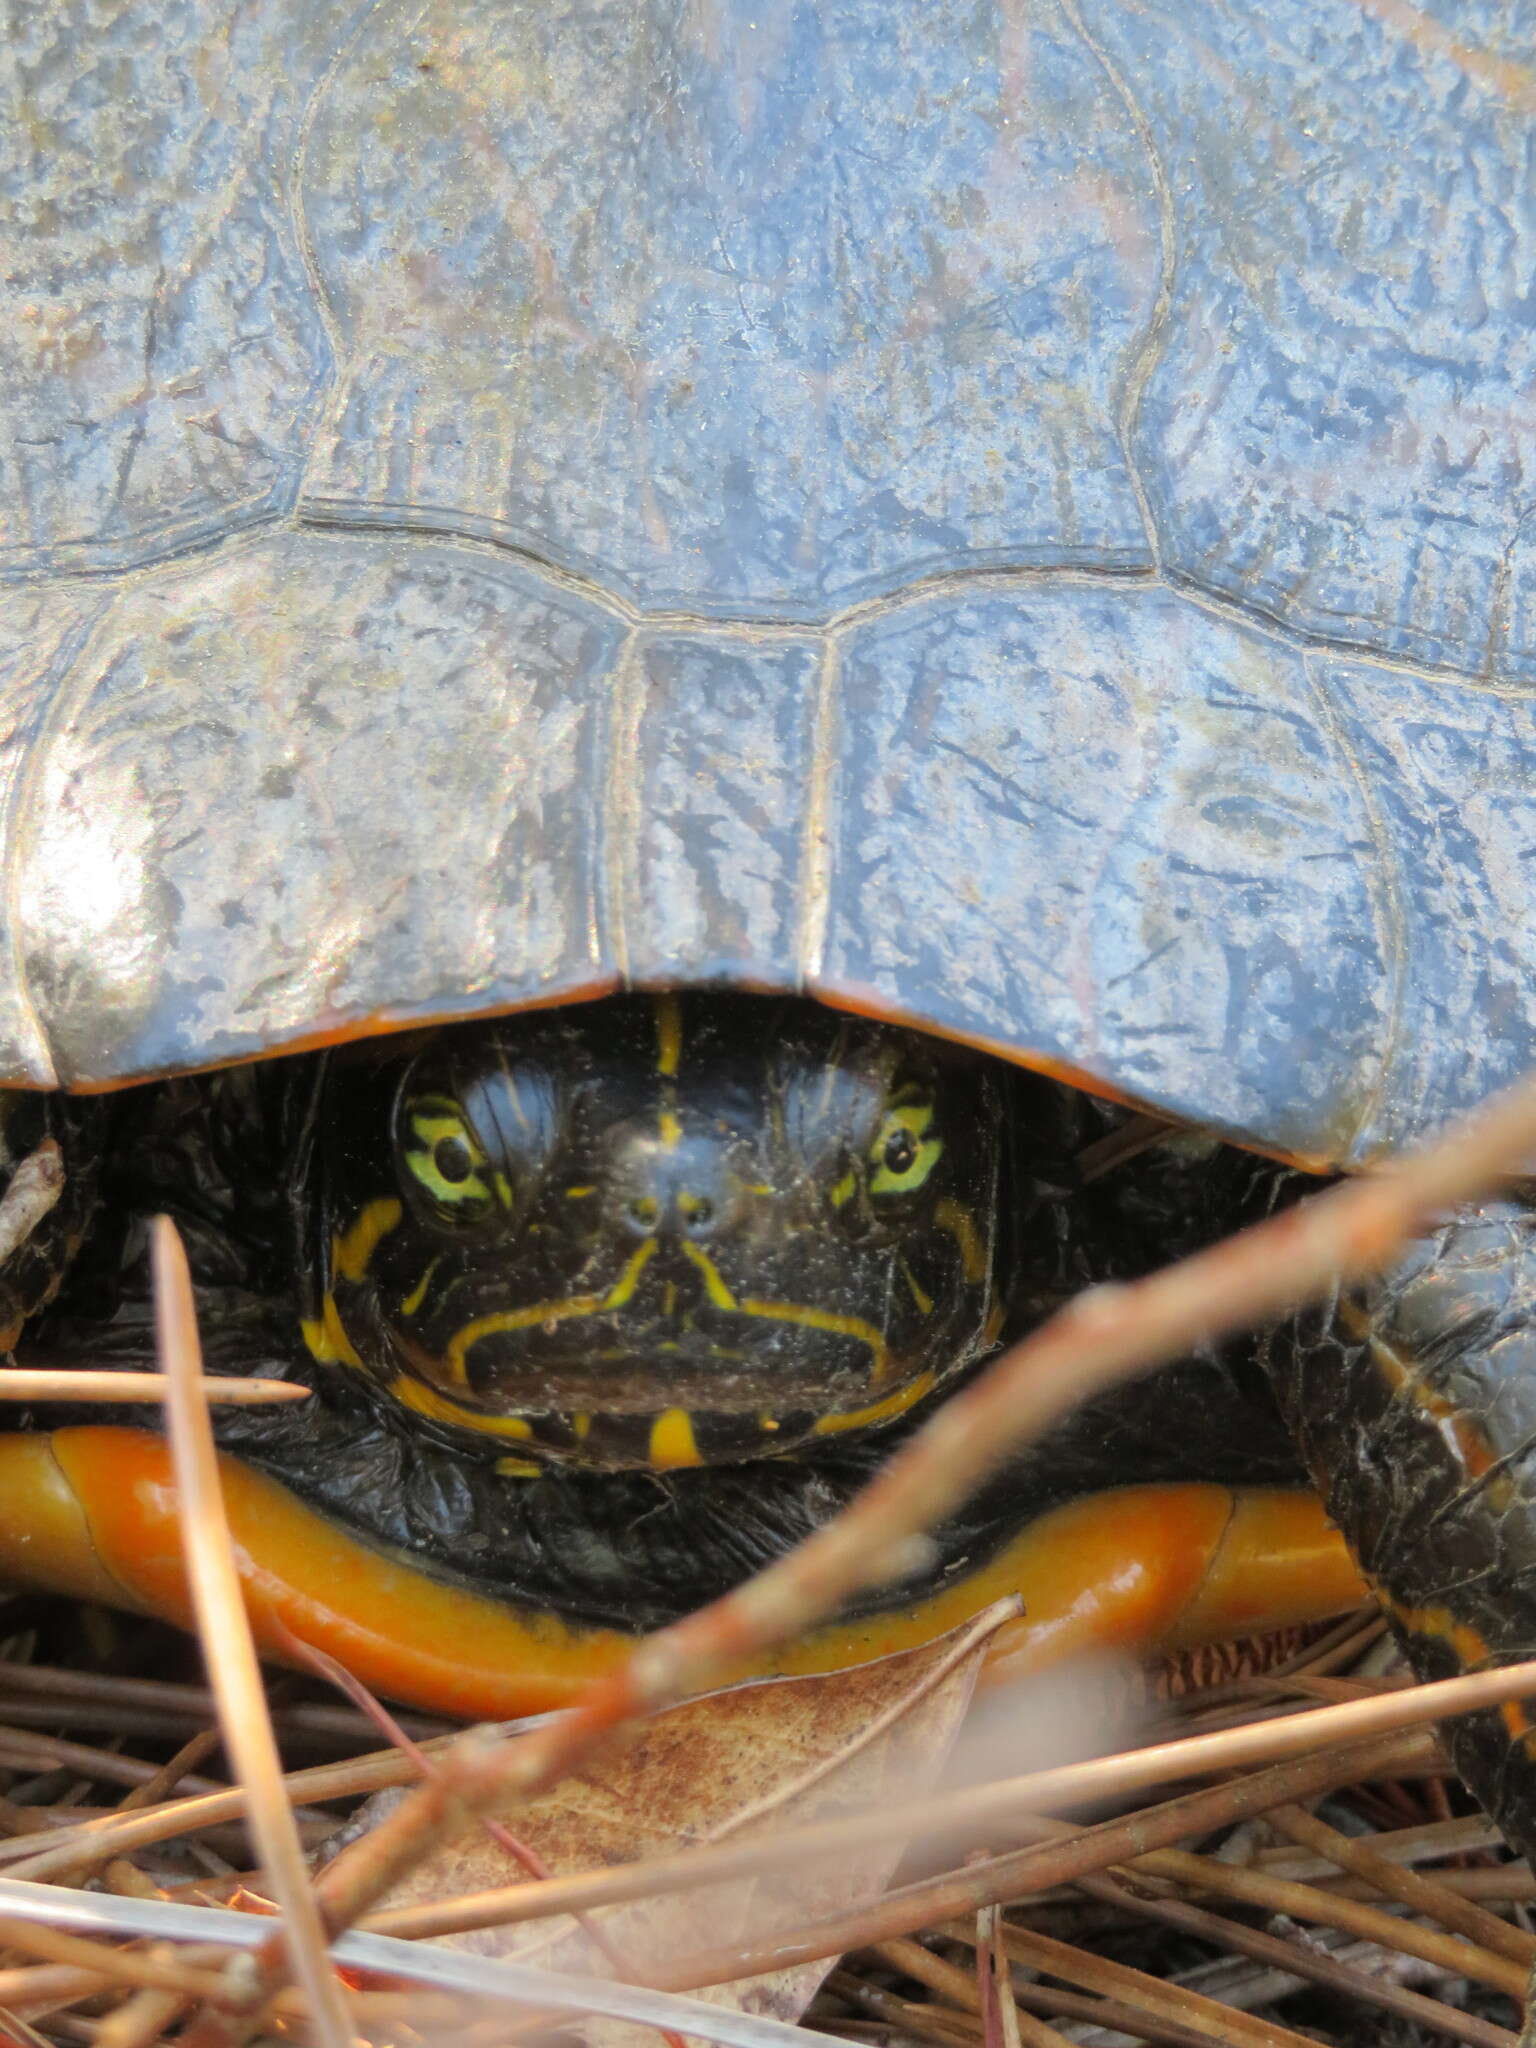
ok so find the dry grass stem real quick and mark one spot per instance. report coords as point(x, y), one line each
point(1207, 1875)
point(1307, 1962)
point(108, 1965)
point(1176, 2002)
point(226, 1638)
point(140, 2021)
point(1420, 1894)
point(28, 1383)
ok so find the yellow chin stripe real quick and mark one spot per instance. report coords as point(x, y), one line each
point(427, 1401)
point(879, 1411)
point(353, 1248)
point(673, 1444)
point(721, 1297)
point(94, 1512)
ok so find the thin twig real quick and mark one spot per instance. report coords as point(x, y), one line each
point(36, 1383)
point(226, 1638)
point(1408, 1887)
point(1299, 1960)
point(1176, 2002)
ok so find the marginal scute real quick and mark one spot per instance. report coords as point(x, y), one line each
point(1109, 828)
point(1452, 800)
point(309, 782)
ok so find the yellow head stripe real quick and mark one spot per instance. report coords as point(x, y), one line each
point(355, 1246)
point(418, 1293)
point(952, 1216)
point(714, 1281)
point(328, 1342)
point(669, 1034)
point(923, 1299)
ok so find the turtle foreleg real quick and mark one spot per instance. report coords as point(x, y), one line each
point(1414, 1405)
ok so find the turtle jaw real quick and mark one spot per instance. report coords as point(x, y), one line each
point(685, 1431)
point(672, 1360)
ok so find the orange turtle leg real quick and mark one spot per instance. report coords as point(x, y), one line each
point(92, 1511)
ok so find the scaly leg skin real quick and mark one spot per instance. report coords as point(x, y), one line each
point(1415, 1407)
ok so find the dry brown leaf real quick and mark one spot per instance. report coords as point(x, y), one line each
point(744, 1761)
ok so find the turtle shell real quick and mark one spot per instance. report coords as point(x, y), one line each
point(1015, 520)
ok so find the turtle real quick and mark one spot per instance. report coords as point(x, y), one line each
point(667, 666)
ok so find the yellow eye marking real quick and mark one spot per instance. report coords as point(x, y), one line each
point(578, 1194)
point(519, 1468)
point(766, 1422)
point(954, 1217)
point(824, 1319)
point(327, 1340)
point(547, 1311)
point(669, 1034)
point(427, 1401)
point(673, 1442)
point(714, 1282)
point(581, 1426)
point(911, 1119)
point(418, 1293)
point(433, 1119)
point(881, 1411)
point(844, 1190)
point(356, 1245)
point(924, 1301)
point(671, 1129)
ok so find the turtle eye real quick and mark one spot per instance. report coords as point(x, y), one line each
point(447, 1160)
point(903, 1154)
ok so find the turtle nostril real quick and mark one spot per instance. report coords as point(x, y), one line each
point(644, 1211)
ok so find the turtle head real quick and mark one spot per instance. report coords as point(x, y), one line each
point(661, 1230)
